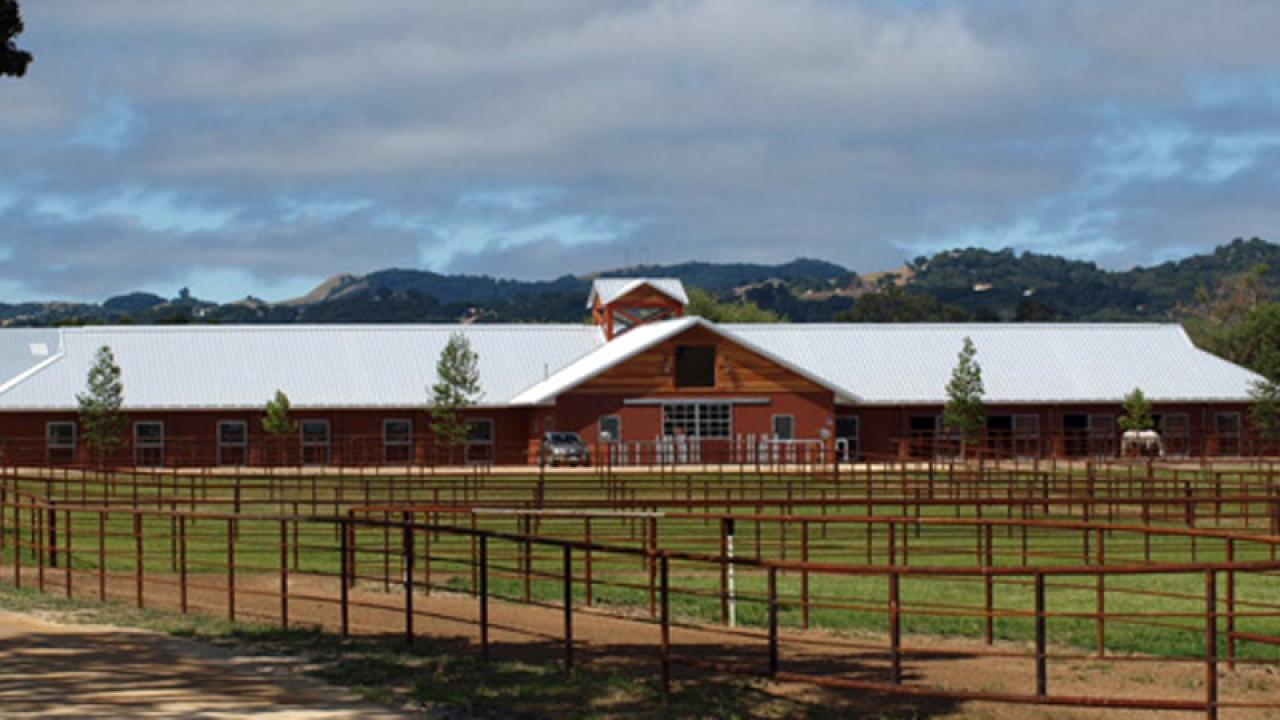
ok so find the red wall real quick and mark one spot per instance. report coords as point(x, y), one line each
point(883, 429)
point(357, 434)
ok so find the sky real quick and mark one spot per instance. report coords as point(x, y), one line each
point(247, 147)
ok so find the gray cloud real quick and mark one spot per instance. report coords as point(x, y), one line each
point(284, 141)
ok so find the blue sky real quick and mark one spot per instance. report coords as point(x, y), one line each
point(258, 147)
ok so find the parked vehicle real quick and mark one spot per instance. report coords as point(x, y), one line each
point(564, 448)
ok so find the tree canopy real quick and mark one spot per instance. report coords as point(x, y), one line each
point(964, 412)
point(457, 386)
point(704, 304)
point(1137, 413)
point(13, 61)
point(278, 419)
point(101, 406)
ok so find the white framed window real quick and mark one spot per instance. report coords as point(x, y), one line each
point(611, 428)
point(148, 443)
point(397, 440)
point(479, 449)
point(701, 420)
point(60, 441)
point(314, 436)
point(784, 427)
point(233, 442)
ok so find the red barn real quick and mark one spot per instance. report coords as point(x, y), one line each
point(643, 382)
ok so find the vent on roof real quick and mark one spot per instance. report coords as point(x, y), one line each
point(39, 349)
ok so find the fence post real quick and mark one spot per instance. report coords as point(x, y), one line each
point(344, 572)
point(17, 542)
point(895, 629)
point(137, 557)
point(66, 552)
point(231, 569)
point(284, 574)
point(665, 621)
point(102, 555)
point(407, 574)
point(773, 621)
point(1042, 660)
point(568, 608)
point(586, 537)
point(182, 563)
point(1231, 606)
point(484, 597)
point(38, 543)
point(1211, 644)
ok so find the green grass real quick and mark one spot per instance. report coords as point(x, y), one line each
point(257, 548)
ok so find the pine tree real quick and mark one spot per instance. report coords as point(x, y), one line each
point(457, 386)
point(1137, 412)
point(101, 416)
point(964, 412)
point(277, 420)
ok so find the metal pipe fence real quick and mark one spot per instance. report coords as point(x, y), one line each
point(724, 573)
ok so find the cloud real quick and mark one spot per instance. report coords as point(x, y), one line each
point(257, 145)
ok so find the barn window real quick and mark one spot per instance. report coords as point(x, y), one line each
point(784, 427)
point(704, 420)
point(1227, 427)
point(315, 442)
point(611, 428)
point(695, 366)
point(479, 449)
point(1175, 431)
point(397, 440)
point(233, 441)
point(148, 443)
point(847, 440)
point(60, 441)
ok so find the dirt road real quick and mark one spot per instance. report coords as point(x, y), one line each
point(48, 669)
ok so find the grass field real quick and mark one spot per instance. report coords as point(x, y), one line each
point(1160, 614)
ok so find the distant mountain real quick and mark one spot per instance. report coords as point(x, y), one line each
point(968, 284)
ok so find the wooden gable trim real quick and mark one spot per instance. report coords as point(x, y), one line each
point(739, 370)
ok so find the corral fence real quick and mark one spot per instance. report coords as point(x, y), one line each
point(1167, 569)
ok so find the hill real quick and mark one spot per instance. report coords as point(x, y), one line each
point(956, 285)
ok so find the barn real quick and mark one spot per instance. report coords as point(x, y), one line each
point(642, 382)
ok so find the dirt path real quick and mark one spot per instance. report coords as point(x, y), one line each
point(49, 669)
point(629, 639)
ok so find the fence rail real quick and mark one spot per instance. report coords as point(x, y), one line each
point(1169, 568)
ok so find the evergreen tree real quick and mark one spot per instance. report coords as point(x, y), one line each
point(101, 406)
point(1137, 412)
point(964, 412)
point(278, 420)
point(457, 386)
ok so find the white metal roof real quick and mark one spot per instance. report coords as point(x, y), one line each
point(337, 366)
point(1021, 363)
point(610, 289)
point(329, 366)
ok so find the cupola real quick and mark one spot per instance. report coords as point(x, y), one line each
point(620, 304)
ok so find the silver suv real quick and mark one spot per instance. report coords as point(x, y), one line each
point(564, 448)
